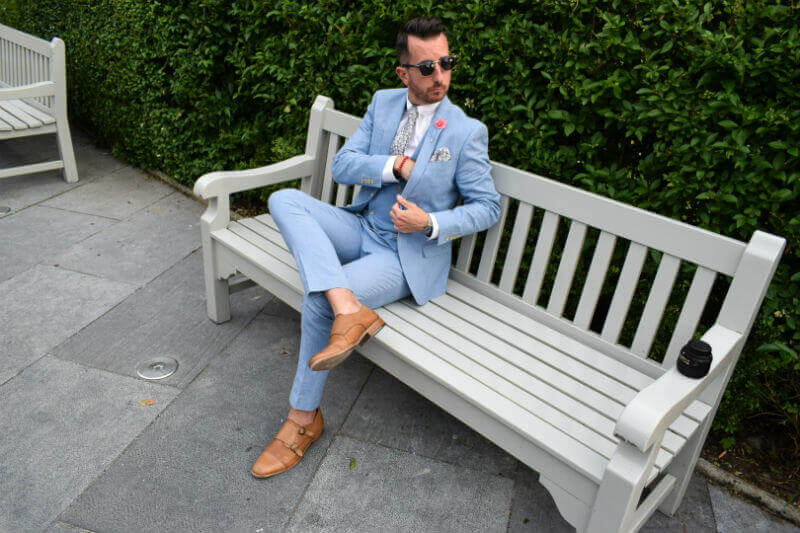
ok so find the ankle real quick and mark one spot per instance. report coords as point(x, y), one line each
point(303, 418)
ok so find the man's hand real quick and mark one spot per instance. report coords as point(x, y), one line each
point(405, 172)
point(412, 219)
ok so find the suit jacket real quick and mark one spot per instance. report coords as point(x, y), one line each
point(435, 186)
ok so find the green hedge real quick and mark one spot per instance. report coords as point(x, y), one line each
point(687, 109)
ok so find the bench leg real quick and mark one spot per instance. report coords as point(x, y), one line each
point(615, 508)
point(218, 302)
point(67, 152)
point(682, 468)
point(571, 508)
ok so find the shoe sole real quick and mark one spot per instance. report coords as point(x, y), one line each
point(290, 467)
point(330, 362)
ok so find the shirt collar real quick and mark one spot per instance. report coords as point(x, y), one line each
point(427, 109)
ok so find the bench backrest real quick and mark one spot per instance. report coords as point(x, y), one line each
point(540, 214)
point(25, 59)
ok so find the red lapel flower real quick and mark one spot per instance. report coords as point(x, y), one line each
point(441, 123)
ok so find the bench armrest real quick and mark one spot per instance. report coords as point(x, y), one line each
point(227, 182)
point(42, 88)
point(657, 406)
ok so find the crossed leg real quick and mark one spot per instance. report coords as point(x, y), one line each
point(342, 266)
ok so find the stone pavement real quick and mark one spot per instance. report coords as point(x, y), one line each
point(100, 275)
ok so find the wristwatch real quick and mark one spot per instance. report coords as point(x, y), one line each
point(429, 227)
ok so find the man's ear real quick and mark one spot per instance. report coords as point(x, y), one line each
point(402, 73)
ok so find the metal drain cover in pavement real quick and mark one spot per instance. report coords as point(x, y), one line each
point(157, 368)
point(4, 210)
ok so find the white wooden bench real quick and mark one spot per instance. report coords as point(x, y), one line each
point(601, 422)
point(33, 97)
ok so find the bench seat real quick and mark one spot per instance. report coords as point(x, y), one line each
point(557, 392)
point(17, 115)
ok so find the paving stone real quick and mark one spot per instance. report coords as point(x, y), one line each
point(118, 195)
point(45, 305)
point(20, 192)
point(167, 317)
point(390, 413)
point(734, 515)
point(367, 487)
point(190, 470)
point(64, 424)
point(533, 508)
point(31, 235)
point(141, 247)
point(695, 512)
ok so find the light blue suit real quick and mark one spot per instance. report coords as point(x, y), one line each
point(355, 246)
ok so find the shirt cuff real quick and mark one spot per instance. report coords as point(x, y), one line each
point(387, 176)
point(435, 232)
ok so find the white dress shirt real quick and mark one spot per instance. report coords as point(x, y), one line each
point(424, 119)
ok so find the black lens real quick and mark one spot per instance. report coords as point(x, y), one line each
point(448, 62)
point(426, 68)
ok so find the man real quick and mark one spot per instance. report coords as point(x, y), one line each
point(414, 155)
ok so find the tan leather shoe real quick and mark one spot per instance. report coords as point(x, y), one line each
point(348, 331)
point(288, 446)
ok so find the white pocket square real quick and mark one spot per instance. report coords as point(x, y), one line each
point(442, 154)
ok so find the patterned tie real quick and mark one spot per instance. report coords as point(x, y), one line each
point(400, 141)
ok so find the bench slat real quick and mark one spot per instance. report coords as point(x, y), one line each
point(13, 121)
point(693, 307)
point(465, 251)
point(571, 348)
point(41, 116)
point(594, 279)
point(327, 182)
point(516, 246)
point(16, 111)
point(656, 303)
point(696, 245)
point(491, 243)
point(341, 194)
point(541, 257)
point(566, 268)
point(626, 286)
point(529, 394)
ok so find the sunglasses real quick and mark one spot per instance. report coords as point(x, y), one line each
point(426, 68)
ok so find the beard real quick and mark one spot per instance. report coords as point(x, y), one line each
point(431, 95)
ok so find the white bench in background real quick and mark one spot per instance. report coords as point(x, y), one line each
point(33, 97)
point(613, 434)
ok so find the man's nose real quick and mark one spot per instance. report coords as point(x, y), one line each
point(438, 71)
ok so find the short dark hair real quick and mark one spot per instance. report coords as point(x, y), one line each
point(422, 27)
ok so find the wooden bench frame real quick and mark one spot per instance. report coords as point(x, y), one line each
point(33, 97)
point(650, 447)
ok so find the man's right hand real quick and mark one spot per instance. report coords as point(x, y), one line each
point(404, 172)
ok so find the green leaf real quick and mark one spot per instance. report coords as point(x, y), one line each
point(352, 463)
point(569, 127)
point(728, 124)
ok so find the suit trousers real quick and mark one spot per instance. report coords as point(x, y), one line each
point(333, 248)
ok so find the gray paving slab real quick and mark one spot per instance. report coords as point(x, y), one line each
point(29, 236)
point(167, 317)
point(117, 195)
point(142, 246)
point(694, 514)
point(368, 487)
point(64, 424)
point(190, 470)
point(20, 192)
point(390, 413)
point(45, 305)
point(734, 515)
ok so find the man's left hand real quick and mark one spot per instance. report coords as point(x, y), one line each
point(412, 219)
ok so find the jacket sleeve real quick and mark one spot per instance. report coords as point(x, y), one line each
point(481, 206)
point(353, 164)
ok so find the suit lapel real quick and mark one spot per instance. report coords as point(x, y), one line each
point(425, 149)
